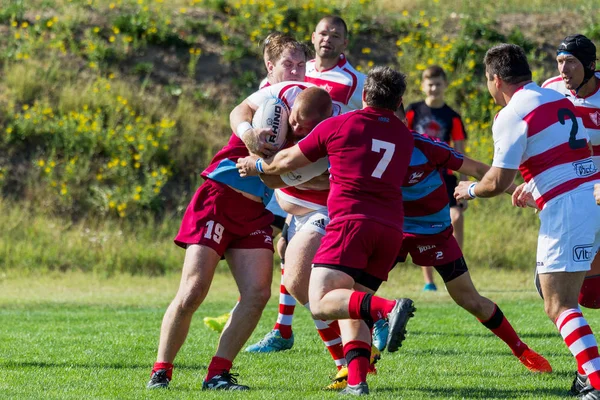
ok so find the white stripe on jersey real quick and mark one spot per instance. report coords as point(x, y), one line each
point(547, 139)
point(588, 107)
point(299, 202)
point(342, 82)
point(552, 177)
point(520, 133)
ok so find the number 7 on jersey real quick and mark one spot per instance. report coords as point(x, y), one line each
point(388, 152)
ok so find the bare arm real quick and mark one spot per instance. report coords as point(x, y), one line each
point(284, 161)
point(477, 170)
point(494, 182)
point(253, 138)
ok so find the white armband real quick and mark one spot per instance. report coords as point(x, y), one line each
point(306, 173)
point(242, 128)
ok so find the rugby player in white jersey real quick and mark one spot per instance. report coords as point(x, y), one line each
point(227, 218)
point(538, 133)
point(579, 82)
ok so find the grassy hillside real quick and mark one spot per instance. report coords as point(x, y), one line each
point(110, 109)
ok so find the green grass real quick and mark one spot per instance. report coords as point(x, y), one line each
point(74, 336)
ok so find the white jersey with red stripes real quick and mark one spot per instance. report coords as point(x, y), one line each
point(343, 83)
point(588, 109)
point(538, 133)
point(287, 92)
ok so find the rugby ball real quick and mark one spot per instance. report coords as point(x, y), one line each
point(273, 114)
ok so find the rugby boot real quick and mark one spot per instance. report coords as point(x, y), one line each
point(535, 362)
point(579, 383)
point(397, 320)
point(589, 393)
point(361, 389)
point(271, 343)
point(158, 380)
point(380, 334)
point(340, 381)
point(375, 356)
point(217, 324)
point(225, 381)
point(430, 287)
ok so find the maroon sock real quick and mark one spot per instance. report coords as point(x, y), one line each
point(163, 365)
point(217, 366)
point(368, 307)
point(500, 326)
point(358, 356)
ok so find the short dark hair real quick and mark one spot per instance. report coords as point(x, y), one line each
point(435, 71)
point(509, 62)
point(336, 20)
point(384, 88)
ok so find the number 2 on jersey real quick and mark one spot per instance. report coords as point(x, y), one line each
point(573, 143)
point(388, 152)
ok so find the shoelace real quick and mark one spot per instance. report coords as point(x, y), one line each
point(229, 377)
point(159, 376)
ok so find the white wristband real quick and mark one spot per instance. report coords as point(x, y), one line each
point(471, 190)
point(242, 128)
point(259, 166)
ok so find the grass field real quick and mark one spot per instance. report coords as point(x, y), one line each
point(73, 336)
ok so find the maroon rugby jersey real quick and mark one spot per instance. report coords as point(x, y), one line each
point(369, 152)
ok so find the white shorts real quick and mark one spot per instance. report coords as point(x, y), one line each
point(315, 221)
point(569, 235)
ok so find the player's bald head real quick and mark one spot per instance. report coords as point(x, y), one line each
point(314, 102)
point(312, 106)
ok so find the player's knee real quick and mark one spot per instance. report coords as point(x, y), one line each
point(190, 300)
point(589, 296)
point(473, 303)
point(552, 309)
point(318, 312)
point(256, 298)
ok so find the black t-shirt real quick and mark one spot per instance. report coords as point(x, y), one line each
point(442, 123)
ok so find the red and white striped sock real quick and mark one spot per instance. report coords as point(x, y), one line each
point(578, 336)
point(331, 338)
point(287, 304)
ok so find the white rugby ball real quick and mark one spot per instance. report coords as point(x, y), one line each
point(273, 114)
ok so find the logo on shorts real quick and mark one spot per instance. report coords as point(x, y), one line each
point(414, 177)
point(319, 223)
point(585, 167)
point(425, 248)
point(268, 239)
point(583, 253)
point(539, 263)
point(439, 255)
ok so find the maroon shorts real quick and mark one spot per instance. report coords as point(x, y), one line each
point(221, 218)
point(365, 245)
point(430, 250)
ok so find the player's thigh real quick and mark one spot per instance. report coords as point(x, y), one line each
point(300, 252)
point(324, 280)
point(252, 270)
point(561, 289)
point(198, 271)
